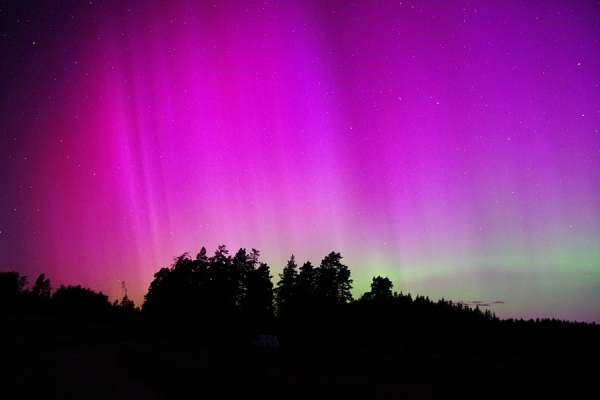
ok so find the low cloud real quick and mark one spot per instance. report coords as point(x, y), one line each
point(476, 303)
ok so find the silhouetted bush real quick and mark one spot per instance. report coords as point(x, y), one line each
point(80, 303)
point(11, 292)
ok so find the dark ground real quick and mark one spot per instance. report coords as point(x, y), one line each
point(42, 358)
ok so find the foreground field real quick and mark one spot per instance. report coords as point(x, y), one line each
point(50, 359)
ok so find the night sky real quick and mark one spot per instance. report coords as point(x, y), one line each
point(450, 146)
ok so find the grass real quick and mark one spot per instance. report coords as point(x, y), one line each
point(46, 358)
point(178, 368)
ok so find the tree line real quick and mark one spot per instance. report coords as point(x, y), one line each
point(234, 298)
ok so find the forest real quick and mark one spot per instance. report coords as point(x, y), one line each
point(234, 296)
point(228, 304)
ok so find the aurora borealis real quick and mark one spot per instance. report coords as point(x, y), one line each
point(450, 146)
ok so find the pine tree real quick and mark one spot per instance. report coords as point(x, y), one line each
point(286, 290)
point(334, 283)
point(42, 287)
point(307, 284)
